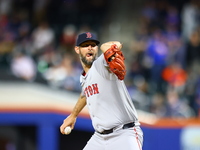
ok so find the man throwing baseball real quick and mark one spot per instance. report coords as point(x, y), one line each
point(112, 112)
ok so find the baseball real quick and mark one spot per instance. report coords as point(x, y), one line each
point(67, 130)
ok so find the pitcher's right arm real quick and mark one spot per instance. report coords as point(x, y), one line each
point(71, 119)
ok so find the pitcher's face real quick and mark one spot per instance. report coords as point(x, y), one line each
point(87, 52)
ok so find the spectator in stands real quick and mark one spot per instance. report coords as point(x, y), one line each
point(156, 58)
point(189, 17)
point(196, 104)
point(175, 76)
point(158, 105)
point(192, 59)
point(68, 38)
point(139, 93)
point(177, 107)
point(7, 40)
point(193, 48)
point(23, 66)
point(43, 38)
point(64, 75)
point(40, 8)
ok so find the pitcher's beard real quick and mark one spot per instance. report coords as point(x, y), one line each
point(86, 62)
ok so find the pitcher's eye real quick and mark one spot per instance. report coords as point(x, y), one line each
point(86, 45)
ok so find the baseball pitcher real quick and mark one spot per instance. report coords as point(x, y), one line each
point(112, 112)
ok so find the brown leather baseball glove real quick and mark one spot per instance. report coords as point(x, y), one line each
point(115, 59)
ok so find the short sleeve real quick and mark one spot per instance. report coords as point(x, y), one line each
point(102, 68)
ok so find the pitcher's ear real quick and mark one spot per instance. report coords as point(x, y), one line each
point(76, 48)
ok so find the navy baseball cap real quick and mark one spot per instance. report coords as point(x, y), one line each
point(87, 36)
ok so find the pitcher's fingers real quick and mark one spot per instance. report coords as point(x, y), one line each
point(62, 128)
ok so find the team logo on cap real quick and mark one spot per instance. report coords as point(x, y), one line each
point(89, 35)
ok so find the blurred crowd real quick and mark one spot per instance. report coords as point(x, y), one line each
point(163, 77)
point(38, 37)
point(166, 59)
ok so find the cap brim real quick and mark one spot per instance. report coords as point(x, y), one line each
point(97, 42)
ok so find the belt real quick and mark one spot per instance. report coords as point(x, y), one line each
point(125, 126)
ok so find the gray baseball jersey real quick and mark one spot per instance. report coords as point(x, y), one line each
point(108, 100)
